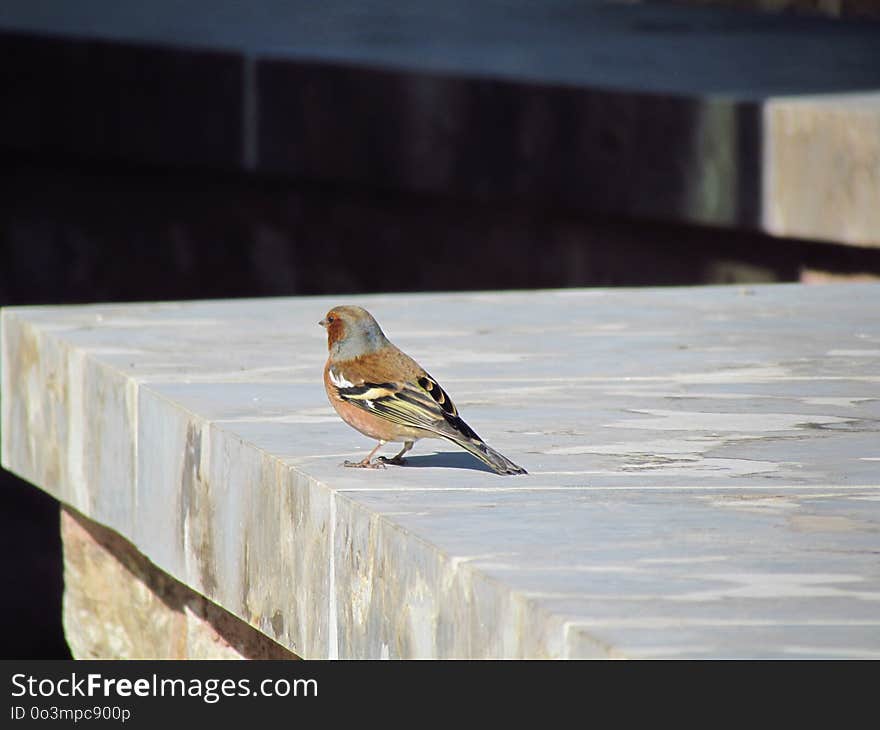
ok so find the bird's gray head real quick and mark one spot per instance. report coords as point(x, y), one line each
point(352, 331)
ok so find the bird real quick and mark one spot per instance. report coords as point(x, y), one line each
point(382, 392)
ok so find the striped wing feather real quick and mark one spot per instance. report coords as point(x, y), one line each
point(422, 404)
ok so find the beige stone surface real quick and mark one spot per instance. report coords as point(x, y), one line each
point(822, 167)
point(118, 605)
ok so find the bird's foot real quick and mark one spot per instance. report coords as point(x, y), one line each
point(395, 460)
point(364, 464)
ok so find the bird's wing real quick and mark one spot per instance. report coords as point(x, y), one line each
point(420, 403)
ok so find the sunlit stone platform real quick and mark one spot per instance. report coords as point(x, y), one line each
point(704, 476)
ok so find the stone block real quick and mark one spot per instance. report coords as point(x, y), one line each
point(643, 111)
point(703, 472)
point(832, 141)
point(118, 605)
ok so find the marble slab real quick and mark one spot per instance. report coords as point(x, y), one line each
point(704, 468)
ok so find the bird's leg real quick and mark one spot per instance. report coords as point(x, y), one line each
point(365, 463)
point(397, 459)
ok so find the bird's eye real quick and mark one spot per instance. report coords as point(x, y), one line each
point(331, 318)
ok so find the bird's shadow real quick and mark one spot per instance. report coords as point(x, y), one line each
point(446, 460)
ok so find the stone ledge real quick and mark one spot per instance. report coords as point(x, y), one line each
point(703, 466)
point(645, 111)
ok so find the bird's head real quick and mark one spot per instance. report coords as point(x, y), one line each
point(351, 332)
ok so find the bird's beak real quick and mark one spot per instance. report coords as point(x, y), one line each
point(323, 323)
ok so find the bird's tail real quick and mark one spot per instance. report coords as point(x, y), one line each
point(496, 461)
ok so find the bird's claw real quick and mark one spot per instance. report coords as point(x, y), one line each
point(395, 460)
point(364, 464)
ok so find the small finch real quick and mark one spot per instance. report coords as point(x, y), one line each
point(386, 395)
